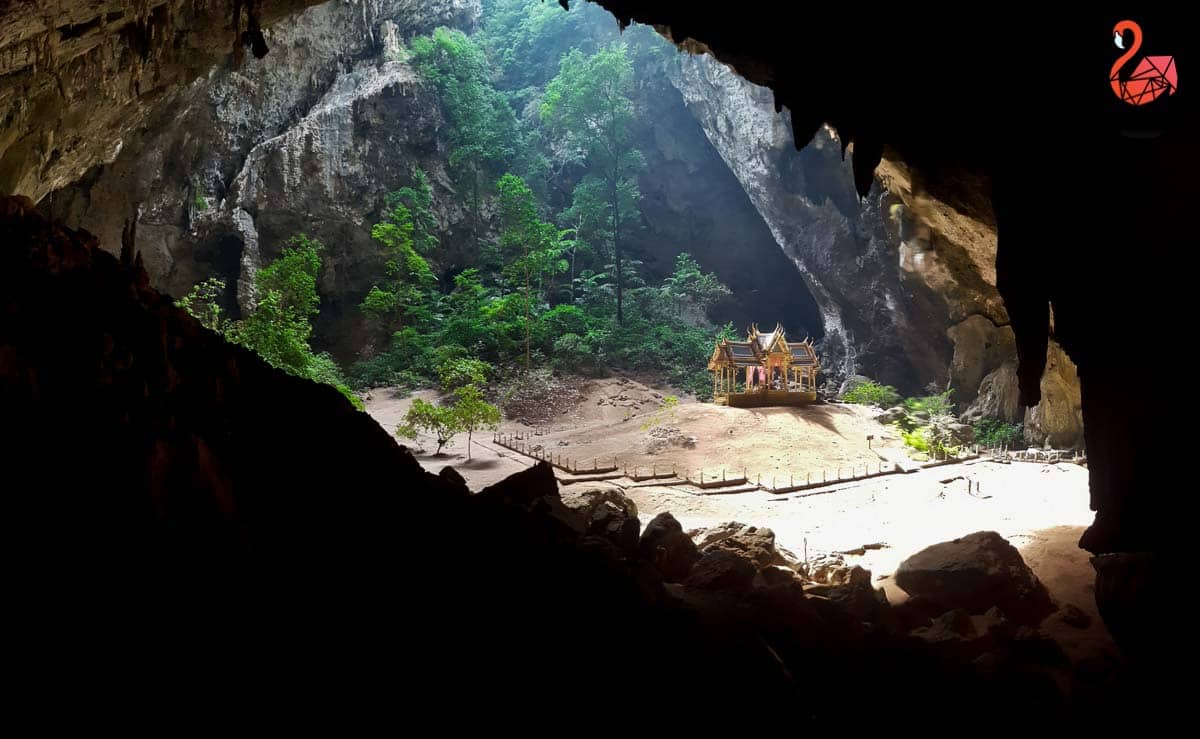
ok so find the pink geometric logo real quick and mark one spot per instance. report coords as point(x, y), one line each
point(1152, 78)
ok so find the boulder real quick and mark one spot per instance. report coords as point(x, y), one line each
point(721, 570)
point(754, 544)
point(975, 573)
point(668, 548)
point(605, 512)
point(858, 598)
point(825, 568)
point(891, 415)
point(584, 500)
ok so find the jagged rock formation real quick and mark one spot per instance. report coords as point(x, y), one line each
point(906, 286)
point(692, 201)
point(841, 246)
point(81, 79)
point(305, 139)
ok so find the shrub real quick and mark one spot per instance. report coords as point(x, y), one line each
point(572, 353)
point(462, 371)
point(932, 405)
point(869, 392)
point(995, 432)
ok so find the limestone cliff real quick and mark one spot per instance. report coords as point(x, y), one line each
point(876, 316)
point(906, 284)
point(83, 79)
point(309, 138)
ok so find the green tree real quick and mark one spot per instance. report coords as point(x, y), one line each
point(459, 372)
point(690, 285)
point(203, 302)
point(536, 243)
point(439, 420)
point(473, 413)
point(279, 326)
point(407, 236)
point(482, 130)
point(588, 108)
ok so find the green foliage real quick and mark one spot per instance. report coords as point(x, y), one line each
point(870, 392)
point(425, 417)
point(469, 413)
point(688, 285)
point(588, 109)
point(933, 440)
point(543, 277)
point(203, 302)
point(996, 432)
point(279, 327)
point(459, 372)
point(473, 412)
point(926, 424)
point(533, 245)
point(407, 236)
point(930, 405)
point(482, 127)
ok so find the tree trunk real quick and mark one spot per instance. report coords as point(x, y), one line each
point(527, 316)
point(468, 445)
point(616, 204)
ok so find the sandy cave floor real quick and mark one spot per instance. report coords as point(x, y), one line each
point(1041, 508)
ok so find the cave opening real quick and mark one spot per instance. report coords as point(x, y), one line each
point(414, 215)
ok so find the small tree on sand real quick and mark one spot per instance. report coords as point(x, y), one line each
point(474, 413)
point(439, 420)
point(470, 413)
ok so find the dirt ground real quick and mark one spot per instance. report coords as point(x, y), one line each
point(1041, 508)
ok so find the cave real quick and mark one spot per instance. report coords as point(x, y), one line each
point(889, 184)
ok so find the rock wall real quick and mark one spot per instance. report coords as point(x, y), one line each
point(82, 79)
point(308, 139)
point(905, 284)
point(691, 201)
point(889, 324)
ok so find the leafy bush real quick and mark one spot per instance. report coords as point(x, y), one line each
point(458, 372)
point(572, 353)
point(203, 302)
point(933, 440)
point(995, 432)
point(869, 392)
point(931, 405)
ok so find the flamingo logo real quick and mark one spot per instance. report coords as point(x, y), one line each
point(1152, 78)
